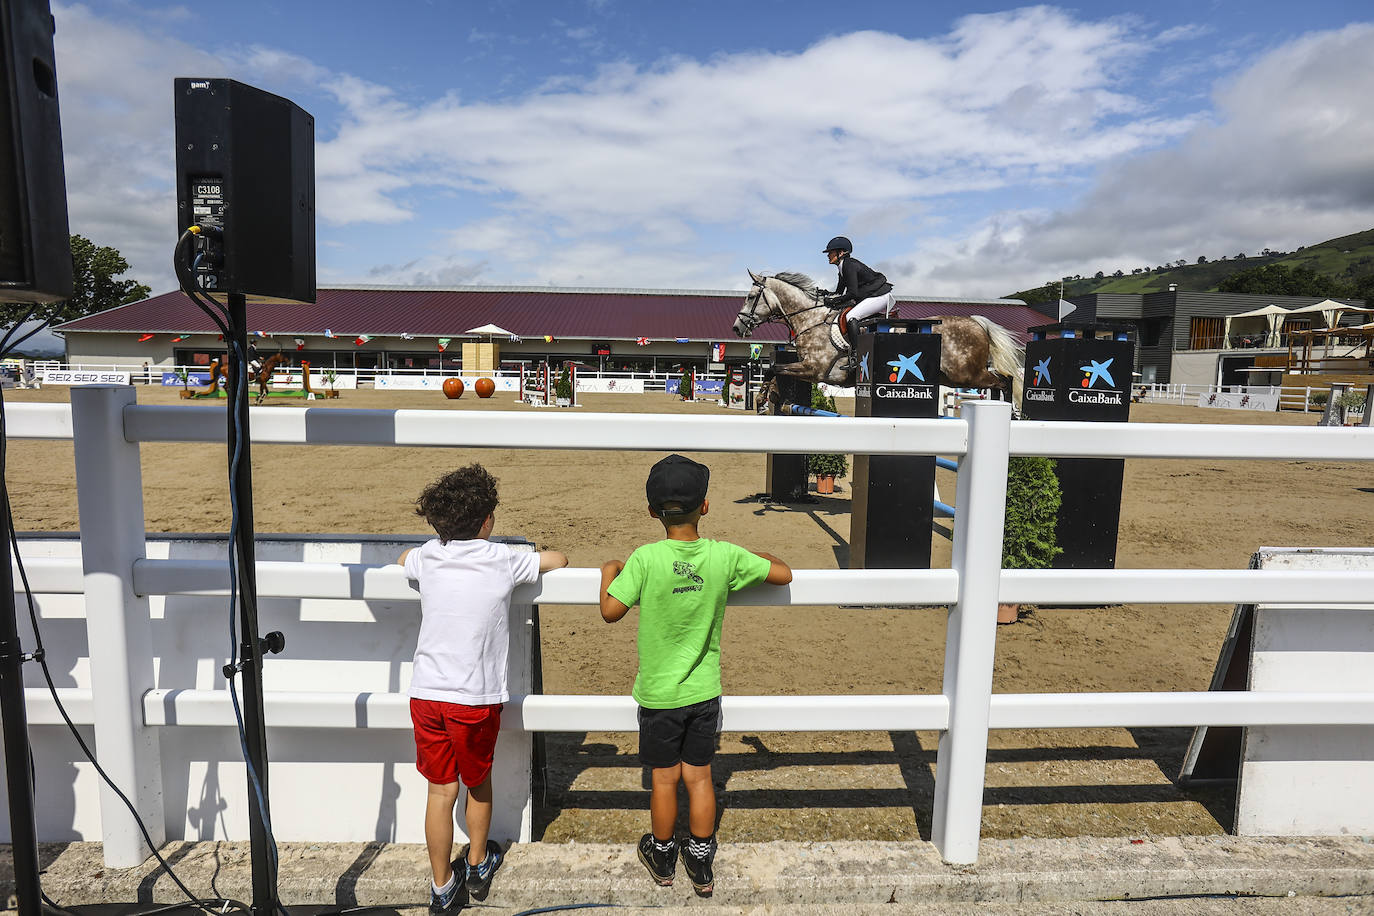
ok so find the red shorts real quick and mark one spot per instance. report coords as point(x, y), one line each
point(453, 741)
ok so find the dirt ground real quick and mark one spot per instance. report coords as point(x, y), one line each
point(590, 504)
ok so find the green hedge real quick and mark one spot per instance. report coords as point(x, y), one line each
point(1033, 499)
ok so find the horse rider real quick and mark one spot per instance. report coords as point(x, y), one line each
point(859, 284)
point(254, 362)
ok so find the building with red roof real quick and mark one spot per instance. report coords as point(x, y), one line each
point(393, 327)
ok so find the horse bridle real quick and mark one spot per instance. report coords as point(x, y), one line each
point(751, 320)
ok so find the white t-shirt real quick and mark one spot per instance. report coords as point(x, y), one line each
point(465, 589)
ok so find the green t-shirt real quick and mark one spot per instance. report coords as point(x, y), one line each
point(681, 587)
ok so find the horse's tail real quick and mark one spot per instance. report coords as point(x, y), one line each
point(1008, 357)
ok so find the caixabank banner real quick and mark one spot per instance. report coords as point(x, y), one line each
point(893, 501)
point(1082, 378)
point(1079, 378)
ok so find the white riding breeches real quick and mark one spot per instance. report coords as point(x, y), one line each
point(872, 306)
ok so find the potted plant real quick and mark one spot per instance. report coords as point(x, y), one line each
point(1028, 538)
point(562, 389)
point(1318, 399)
point(1350, 402)
point(330, 377)
point(183, 376)
point(826, 468)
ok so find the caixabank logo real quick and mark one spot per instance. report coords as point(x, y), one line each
point(904, 379)
point(1097, 386)
point(1041, 387)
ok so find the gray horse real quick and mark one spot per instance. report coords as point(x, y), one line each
point(968, 345)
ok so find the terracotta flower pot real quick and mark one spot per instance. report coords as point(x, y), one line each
point(825, 483)
point(1007, 613)
point(453, 387)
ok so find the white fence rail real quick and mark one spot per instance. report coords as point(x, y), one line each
point(126, 711)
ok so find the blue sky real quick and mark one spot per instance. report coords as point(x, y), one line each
point(967, 150)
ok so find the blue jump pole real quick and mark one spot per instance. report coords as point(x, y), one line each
point(796, 410)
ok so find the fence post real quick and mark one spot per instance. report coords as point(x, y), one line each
point(971, 633)
point(109, 495)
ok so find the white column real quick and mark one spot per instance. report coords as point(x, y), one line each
point(109, 492)
point(971, 633)
point(513, 768)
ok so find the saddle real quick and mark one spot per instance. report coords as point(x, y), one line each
point(839, 331)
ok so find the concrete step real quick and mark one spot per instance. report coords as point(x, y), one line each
point(765, 877)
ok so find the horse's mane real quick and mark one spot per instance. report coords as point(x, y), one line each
point(801, 281)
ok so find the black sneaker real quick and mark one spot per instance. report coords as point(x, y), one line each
point(448, 902)
point(699, 869)
point(479, 875)
point(661, 865)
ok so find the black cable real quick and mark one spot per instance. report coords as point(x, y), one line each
point(6, 345)
point(40, 656)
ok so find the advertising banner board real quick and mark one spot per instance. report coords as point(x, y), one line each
point(893, 498)
point(1082, 377)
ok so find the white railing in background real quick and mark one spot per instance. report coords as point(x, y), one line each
point(107, 426)
point(1290, 398)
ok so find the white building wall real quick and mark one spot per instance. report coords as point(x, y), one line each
point(1193, 367)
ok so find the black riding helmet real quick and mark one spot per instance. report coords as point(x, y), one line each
point(838, 243)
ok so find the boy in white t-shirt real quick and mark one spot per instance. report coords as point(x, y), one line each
point(459, 681)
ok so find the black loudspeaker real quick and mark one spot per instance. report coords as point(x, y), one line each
point(246, 167)
point(35, 248)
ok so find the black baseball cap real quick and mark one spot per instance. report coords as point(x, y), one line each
point(677, 481)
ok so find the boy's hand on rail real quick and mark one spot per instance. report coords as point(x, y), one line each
point(612, 609)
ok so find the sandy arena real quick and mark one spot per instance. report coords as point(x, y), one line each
point(799, 786)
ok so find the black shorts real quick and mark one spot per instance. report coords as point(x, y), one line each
point(686, 734)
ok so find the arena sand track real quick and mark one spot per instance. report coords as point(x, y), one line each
point(590, 504)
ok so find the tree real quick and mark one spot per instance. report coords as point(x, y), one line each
point(95, 286)
point(1202, 259)
point(1278, 280)
point(1098, 275)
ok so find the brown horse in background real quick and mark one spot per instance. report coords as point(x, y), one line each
point(263, 377)
point(968, 345)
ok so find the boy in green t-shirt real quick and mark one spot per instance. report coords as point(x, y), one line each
point(681, 584)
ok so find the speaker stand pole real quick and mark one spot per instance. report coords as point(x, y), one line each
point(265, 902)
point(18, 763)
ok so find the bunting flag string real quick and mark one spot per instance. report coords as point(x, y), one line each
point(180, 337)
point(443, 343)
point(144, 337)
point(642, 341)
point(361, 339)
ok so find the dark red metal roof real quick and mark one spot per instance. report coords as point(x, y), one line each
point(595, 315)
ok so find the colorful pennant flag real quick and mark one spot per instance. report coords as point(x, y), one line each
point(328, 333)
point(180, 337)
point(684, 340)
point(361, 339)
point(548, 338)
point(300, 343)
point(407, 336)
point(755, 351)
point(642, 341)
point(143, 337)
point(261, 334)
point(443, 343)
point(718, 353)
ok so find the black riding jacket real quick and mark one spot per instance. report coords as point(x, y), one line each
point(858, 282)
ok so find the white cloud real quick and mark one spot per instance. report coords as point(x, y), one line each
point(1286, 161)
point(655, 175)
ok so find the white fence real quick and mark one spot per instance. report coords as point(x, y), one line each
point(1288, 398)
point(107, 425)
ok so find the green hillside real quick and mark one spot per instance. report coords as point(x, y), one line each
point(1347, 259)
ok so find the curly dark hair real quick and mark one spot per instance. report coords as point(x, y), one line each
point(458, 503)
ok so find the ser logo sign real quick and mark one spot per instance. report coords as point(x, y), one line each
point(905, 380)
point(1096, 371)
point(1041, 384)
